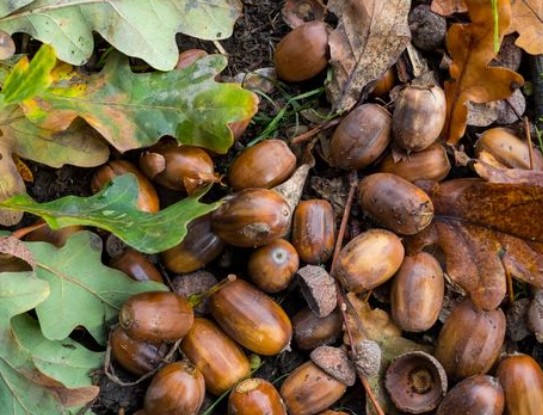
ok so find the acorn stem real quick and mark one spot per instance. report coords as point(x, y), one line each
point(196, 299)
point(353, 181)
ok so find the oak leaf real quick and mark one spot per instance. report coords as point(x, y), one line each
point(489, 231)
point(448, 7)
point(471, 47)
point(369, 38)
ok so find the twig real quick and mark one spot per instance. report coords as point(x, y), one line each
point(22, 232)
point(529, 140)
point(219, 47)
point(313, 132)
point(341, 301)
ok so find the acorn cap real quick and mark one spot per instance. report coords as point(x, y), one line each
point(366, 356)
point(335, 362)
point(318, 289)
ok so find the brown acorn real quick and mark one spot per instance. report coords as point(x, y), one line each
point(251, 318)
point(302, 53)
point(507, 149)
point(369, 260)
point(147, 195)
point(178, 388)
point(521, 378)
point(272, 267)
point(220, 360)
point(480, 394)
point(313, 231)
point(419, 117)
point(429, 164)
point(57, 237)
point(361, 137)
point(470, 341)
point(309, 390)
point(417, 293)
point(156, 317)
point(136, 266)
point(255, 397)
point(135, 356)
point(199, 248)
point(266, 165)
point(251, 218)
point(311, 331)
point(182, 168)
point(395, 203)
point(384, 84)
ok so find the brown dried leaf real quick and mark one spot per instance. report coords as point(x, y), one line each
point(489, 230)
point(528, 22)
point(375, 324)
point(297, 12)
point(369, 38)
point(448, 7)
point(471, 47)
point(7, 46)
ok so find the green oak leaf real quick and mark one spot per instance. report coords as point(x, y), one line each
point(144, 29)
point(79, 145)
point(27, 79)
point(115, 209)
point(9, 6)
point(24, 389)
point(133, 110)
point(84, 292)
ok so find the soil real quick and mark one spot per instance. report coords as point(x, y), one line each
point(251, 47)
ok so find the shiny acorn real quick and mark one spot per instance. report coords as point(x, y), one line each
point(57, 237)
point(156, 316)
point(147, 195)
point(251, 318)
point(178, 388)
point(251, 218)
point(384, 84)
point(220, 360)
point(255, 396)
point(136, 266)
point(272, 267)
point(303, 53)
point(313, 231)
point(266, 165)
point(312, 331)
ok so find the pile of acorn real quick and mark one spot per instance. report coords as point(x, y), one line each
point(237, 316)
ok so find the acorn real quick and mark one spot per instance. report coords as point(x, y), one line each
point(156, 316)
point(255, 397)
point(395, 203)
point(384, 84)
point(417, 293)
point(312, 331)
point(57, 237)
point(303, 53)
point(419, 116)
point(266, 165)
point(507, 149)
point(136, 266)
point(135, 356)
point(220, 360)
point(272, 267)
point(251, 218)
point(200, 246)
point(251, 318)
point(181, 168)
point(479, 394)
point(361, 137)
point(147, 195)
point(309, 390)
point(416, 382)
point(429, 164)
point(313, 231)
point(470, 341)
point(178, 388)
point(369, 260)
point(521, 378)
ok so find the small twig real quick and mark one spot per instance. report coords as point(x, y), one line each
point(528, 135)
point(219, 47)
point(353, 181)
point(313, 132)
point(21, 233)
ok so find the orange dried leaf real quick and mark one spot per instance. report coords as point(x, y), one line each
point(23, 169)
point(528, 22)
point(448, 7)
point(471, 47)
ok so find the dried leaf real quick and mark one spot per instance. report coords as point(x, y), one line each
point(471, 47)
point(487, 232)
point(375, 324)
point(297, 12)
point(448, 7)
point(369, 38)
point(528, 22)
point(7, 46)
